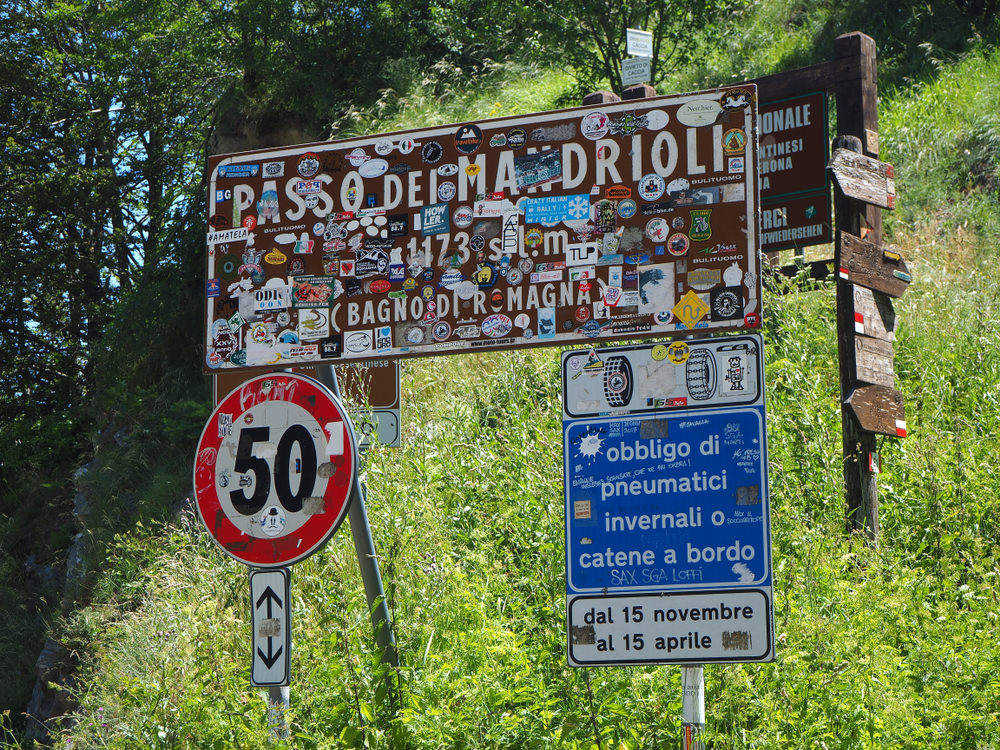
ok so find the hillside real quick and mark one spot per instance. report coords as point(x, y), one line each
point(887, 647)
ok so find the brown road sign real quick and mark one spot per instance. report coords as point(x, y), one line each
point(871, 266)
point(794, 144)
point(863, 178)
point(796, 222)
point(374, 384)
point(873, 315)
point(878, 409)
point(873, 361)
point(585, 225)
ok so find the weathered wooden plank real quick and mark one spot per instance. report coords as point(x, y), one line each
point(873, 361)
point(864, 178)
point(873, 315)
point(878, 409)
point(866, 264)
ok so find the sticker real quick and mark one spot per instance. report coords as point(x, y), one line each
point(441, 331)
point(431, 152)
point(618, 192)
point(678, 352)
point(701, 228)
point(703, 278)
point(357, 157)
point(594, 125)
point(468, 139)
point(658, 353)
point(657, 229)
point(275, 257)
point(737, 165)
point(727, 303)
point(656, 119)
point(213, 288)
point(497, 325)
point(383, 147)
point(541, 168)
point(446, 191)
point(463, 216)
point(447, 170)
point(406, 145)
point(498, 140)
point(651, 187)
point(690, 309)
point(678, 245)
point(628, 124)
point(272, 520)
point(737, 99)
point(273, 169)
point(734, 141)
point(698, 113)
point(556, 208)
point(516, 137)
point(627, 208)
point(434, 219)
point(604, 216)
point(373, 168)
point(308, 165)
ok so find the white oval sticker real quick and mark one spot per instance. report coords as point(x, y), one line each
point(699, 112)
point(373, 168)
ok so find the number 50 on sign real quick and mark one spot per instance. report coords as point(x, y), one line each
point(274, 470)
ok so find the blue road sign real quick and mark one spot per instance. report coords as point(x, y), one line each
point(667, 502)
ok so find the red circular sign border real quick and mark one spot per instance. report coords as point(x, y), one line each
point(315, 398)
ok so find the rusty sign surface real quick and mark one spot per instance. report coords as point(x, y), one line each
point(590, 224)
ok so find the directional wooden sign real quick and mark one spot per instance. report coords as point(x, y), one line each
point(878, 409)
point(871, 266)
point(271, 642)
point(873, 361)
point(864, 178)
point(873, 315)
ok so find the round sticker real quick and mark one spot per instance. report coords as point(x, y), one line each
point(357, 157)
point(218, 221)
point(627, 208)
point(678, 244)
point(656, 119)
point(594, 125)
point(516, 137)
point(678, 352)
point(431, 152)
point(447, 170)
point(658, 353)
point(383, 147)
point(463, 217)
point(250, 222)
point(468, 139)
point(446, 191)
point(651, 187)
point(407, 145)
point(657, 229)
point(308, 164)
point(373, 168)
point(274, 470)
point(522, 320)
point(514, 276)
point(441, 331)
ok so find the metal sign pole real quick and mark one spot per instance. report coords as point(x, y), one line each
point(364, 545)
point(278, 702)
point(693, 713)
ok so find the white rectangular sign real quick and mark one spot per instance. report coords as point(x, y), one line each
point(271, 640)
point(638, 42)
point(709, 626)
point(635, 70)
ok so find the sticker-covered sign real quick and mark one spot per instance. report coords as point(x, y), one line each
point(666, 376)
point(580, 225)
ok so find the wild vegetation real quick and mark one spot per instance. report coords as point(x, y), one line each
point(888, 647)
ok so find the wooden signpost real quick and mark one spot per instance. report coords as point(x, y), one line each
point(863, 178)
point(868, 265)
point(878, 409)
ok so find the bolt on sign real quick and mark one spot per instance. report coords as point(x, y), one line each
point(576, 225)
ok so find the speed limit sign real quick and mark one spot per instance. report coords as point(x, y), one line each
point(275, 468)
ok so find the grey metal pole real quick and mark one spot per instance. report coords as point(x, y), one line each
point(364, 545)
point(277, 706)
point(693, 702)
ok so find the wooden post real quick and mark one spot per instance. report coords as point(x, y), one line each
point(857, 128)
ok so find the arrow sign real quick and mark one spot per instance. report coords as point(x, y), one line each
point(863, 178)
point(873, 314)
point(271, 639)
point(878, 409)
point(873, 361)
point(868, 265)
